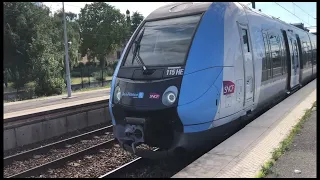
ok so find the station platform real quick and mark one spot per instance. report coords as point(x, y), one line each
point(20, 108)
point(243, 154)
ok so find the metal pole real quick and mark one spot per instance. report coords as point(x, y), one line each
point(253, 5)
point(66, 50)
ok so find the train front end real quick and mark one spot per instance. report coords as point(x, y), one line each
point(146, 85)
point(152, 100)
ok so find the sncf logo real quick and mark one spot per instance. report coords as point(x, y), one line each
point(228, 87)
point(154, 96)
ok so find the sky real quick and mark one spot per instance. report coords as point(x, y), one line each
point(299, 12)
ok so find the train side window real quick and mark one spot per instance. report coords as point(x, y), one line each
point(283, 55)
point(314, 52)
point(265, 59)
point(275, 55)
point(309, 53)
point(245, 40)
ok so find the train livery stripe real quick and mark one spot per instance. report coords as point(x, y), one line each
point(206, 51)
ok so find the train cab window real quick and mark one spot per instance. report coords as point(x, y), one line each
point(275, 51)
point(245, 40)
point(164, 42)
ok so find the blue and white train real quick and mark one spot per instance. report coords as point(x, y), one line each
point(191, 68)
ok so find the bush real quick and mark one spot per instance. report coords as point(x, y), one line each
point(30, 90)
point(52, 86)
point(98, 75)
point(81, 64)
point(110, 71)
point(75, 74)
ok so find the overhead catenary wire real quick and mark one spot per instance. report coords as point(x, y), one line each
point(291, 13)
point(303, 10)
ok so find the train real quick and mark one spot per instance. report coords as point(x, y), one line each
point(189, 69)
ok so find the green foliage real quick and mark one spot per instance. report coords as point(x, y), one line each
point(136, 19)
point(103, 29)
point(98, 75)
point(34, 43)
point(73, 34)
point(50, 86)
point(19, 29)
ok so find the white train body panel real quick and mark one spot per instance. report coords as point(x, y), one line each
point(237, 63)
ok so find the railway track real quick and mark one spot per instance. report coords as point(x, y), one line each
point(134, 164)
point(29, 155)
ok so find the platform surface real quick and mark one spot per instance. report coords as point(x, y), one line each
point(18, 108)
point(302, 155)
point(243, 154)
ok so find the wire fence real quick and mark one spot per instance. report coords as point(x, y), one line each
point(81, 78)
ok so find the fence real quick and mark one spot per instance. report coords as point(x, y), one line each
point(81, 77)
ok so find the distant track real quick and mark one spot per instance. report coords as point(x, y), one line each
point(45, 149)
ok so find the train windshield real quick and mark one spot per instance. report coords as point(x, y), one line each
point(164, 42)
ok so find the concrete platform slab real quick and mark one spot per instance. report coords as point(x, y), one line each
point(77, 121)
point(54, 127)
point(52, 107)
point(9, 139)
point(259, 138)
point(96, 117)
point(29, 134)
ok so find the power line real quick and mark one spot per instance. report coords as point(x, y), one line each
point(304, 11)
point(291, 13)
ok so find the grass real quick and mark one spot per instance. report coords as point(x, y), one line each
point(284, 145)
point(77, 80)
point(88, 89)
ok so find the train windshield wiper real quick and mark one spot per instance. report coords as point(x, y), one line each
point(136, 51)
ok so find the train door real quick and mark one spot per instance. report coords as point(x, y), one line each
point(295, 61)
point(248, 66)
point(288, 58)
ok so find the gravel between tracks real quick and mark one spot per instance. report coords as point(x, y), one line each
point(92, 165)
point(19, 166)
point(51, 140)
point(159, 168)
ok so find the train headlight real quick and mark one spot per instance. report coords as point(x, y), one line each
point(170, 96)
point(117, 95)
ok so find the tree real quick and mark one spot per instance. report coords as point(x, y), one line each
point(32, 48)
point(103, 28)
point(73, 31)
point(18, 32)
point(46, 55)
point(136, 19)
